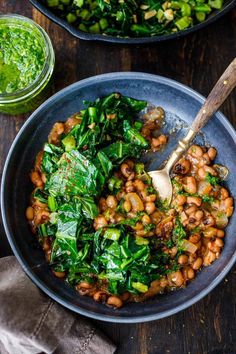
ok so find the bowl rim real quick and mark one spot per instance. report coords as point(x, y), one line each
point(139, 40)
point(57, 297)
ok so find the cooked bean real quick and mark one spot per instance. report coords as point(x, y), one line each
point(59, 274)
point(176, 278)
point(191, 210)
point(195, 238)
point(163, 282)
point(190, 273)
point(157, 142)
point(125, 170)
point(102, 204)
point(129, 187)
point(183, 259)
point(220, 233)
point(212, 153)
point(210, 170)
point(219, 242)
point(55, 133)
point(156, 217)
point(125, 296)
point(224, 193)
point(209, 220)
point(228, 202)
point(182, 167)
point(136, 202)
point(146, 219)
point(84, 285)
point(46, 244)
point(111, 201)
point(194, 200)
point(205, 160)
point(29, 213)
point(139, 185)
point(150, 207)
point(151, 198)
point(181, 199)
point(197, 263)
point(114, 301)
point(209, 257)
point(100, 296)
point(199, 214)
point(173, 251)
point(229, 211)
point(138, 226)
point(195, 151)
point(36, 179)
point(210, 232)
point(191, 185)
point(99, 221)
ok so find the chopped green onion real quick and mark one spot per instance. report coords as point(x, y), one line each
point(52, 203)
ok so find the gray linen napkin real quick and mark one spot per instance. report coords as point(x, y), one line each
point(31, 323)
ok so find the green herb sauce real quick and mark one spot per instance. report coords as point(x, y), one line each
point(22, 58)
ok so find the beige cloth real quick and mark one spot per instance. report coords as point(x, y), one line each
point(32, 323)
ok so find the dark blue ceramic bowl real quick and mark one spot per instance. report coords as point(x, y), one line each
point(228, 4)
point(178, 101)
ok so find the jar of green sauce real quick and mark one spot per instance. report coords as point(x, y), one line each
point(26, 64)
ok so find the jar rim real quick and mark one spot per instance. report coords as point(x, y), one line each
point(47, 67)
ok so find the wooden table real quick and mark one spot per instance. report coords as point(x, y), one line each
point(196, 60)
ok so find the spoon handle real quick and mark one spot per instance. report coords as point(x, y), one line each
point(217, 96)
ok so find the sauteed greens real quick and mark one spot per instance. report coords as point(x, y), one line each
point(99, 219)
point(133, 18)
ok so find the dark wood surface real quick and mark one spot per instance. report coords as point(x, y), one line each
point(197, 60)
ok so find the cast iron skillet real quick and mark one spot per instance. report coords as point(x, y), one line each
point(178, 101)
point(229, 4)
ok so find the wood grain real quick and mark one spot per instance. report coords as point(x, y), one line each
point(197, 60)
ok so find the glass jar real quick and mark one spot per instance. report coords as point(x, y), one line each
point(30, 97)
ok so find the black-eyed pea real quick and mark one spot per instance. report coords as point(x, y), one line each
point(219, 242)
point(201, 173)
point(156, 217)
point(150, 207)
point(220, 233)
point(36, 179)
point(100, 296)
point(176, 278)
point(102, 204)
point(190, 185)
point(141, 233)
point(208, 220)
point(194, 200)
point(229, 211)
point(129, 187)
point(29, 213)
point(99, 221)
point(213, 247)
point(125, 296)
point(224, 193)
point(59, 274)
point(163, 282)
point(195, 238)
point(180, 200)
point(182, 167)
point(210, 232)
point(139, 185)
point(173, 251)
point(125, 170)
point(195, 151)
point(199, 215)
point(151, 198)
point(111, 201)
point(209, 257)
point(190, 273)
point(212, 153)
point(191, 210)
point(183, 259)
point(46, 244)
point(228, 202)
point(146, 219)
point(114, 301)
point(197, 263)
point(210, 170)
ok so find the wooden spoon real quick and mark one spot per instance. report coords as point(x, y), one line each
point(161, 178)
